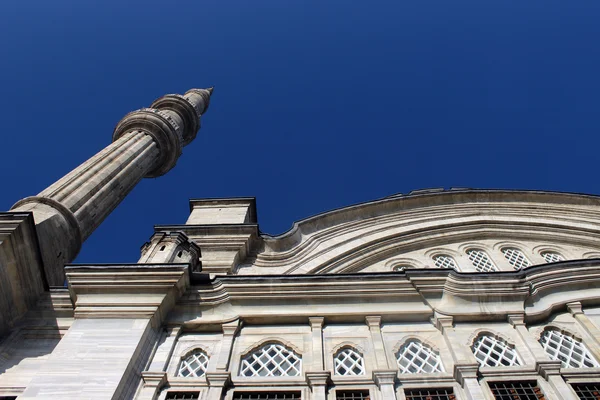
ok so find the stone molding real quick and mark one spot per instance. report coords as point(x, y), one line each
point(218, 379)
point(520, 296)
point(385, 377)
point(318, 378)
point(465, 371)
point(378, 230)
point(126, 291)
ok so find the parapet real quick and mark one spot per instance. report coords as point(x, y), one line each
point(241, 210)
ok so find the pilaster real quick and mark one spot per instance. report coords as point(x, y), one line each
point(230, 330)
point(386, 381)
point(318, 381)
point(217, 383)
point(588, 327)
point(374, 324)
point(316, 328)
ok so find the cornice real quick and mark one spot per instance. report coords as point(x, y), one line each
point(125, 290)
point(534, 293)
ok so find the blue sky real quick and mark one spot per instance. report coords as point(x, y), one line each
point(317, 104)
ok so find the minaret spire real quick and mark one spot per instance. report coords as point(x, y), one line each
point(146, 143)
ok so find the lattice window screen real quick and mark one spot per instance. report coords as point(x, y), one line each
point(349, 362)
point(493, 352)
point(194, 365)
point(444, 261)
point(567, 349)
point(587, 391)
point(552, 257)
point(272, 359)
point(516, 258)
point(481, 261)
point(414, 357)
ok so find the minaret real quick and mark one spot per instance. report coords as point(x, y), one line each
point(146, 143)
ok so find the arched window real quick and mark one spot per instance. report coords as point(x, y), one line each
point(193, 365)
point(568, 349)
point(552, 256)
point(402, 267)
point(348, 361)
point(414, 357)
point(493, 352)
point(516, 258)
point(272, 359)
point(481, 261)
point(444, 261)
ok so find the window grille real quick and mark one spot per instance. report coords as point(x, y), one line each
point(492, 352)
point(444, 261)
point(414, 357)
point(567, 349)
point(272, 359)
point(194, 365)
point(348, 362)
point(587, 391)
point(352, 395)
point(429, 394)
point(481, 261)
point(528, 390)
point(516, 258)
point(552, 257)
point(182, 396)
point(266, 396)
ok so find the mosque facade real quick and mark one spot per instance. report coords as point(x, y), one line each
point(433, 295)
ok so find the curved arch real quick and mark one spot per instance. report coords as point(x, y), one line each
point(415, 356)
point(272, 359)
point(494, 350)
point(193, 364)
point(485, 331)
point(346, 344)
point(192, 347)
point(394, 262)
point(412, 337)
point(354, 238)
point(271, 339)
point(348, 361)
point(591, 254)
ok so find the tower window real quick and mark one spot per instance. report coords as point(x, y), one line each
point(444, 261)
point(552, 257)
point(481, 261)
point(518, 390)
point(516, 258)
point(414, 357)
point(348, 362)
point(568, 349)
point(272, 359)
point(492, 352)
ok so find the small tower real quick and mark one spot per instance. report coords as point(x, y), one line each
point(146, 143)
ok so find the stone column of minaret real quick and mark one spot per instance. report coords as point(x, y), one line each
point(146, 143)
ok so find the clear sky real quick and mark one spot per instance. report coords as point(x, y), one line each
point(317, 104)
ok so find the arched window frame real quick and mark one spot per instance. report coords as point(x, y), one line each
point(490, 265)
point(348, 350)
point(515, 257)
point(552, 256)
point(555, 354)
point(493, 341)
point(444, 260)
point(197, 354)
point(255, 355)
point(416, 345)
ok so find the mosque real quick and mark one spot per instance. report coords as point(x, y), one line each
point(432, 295)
